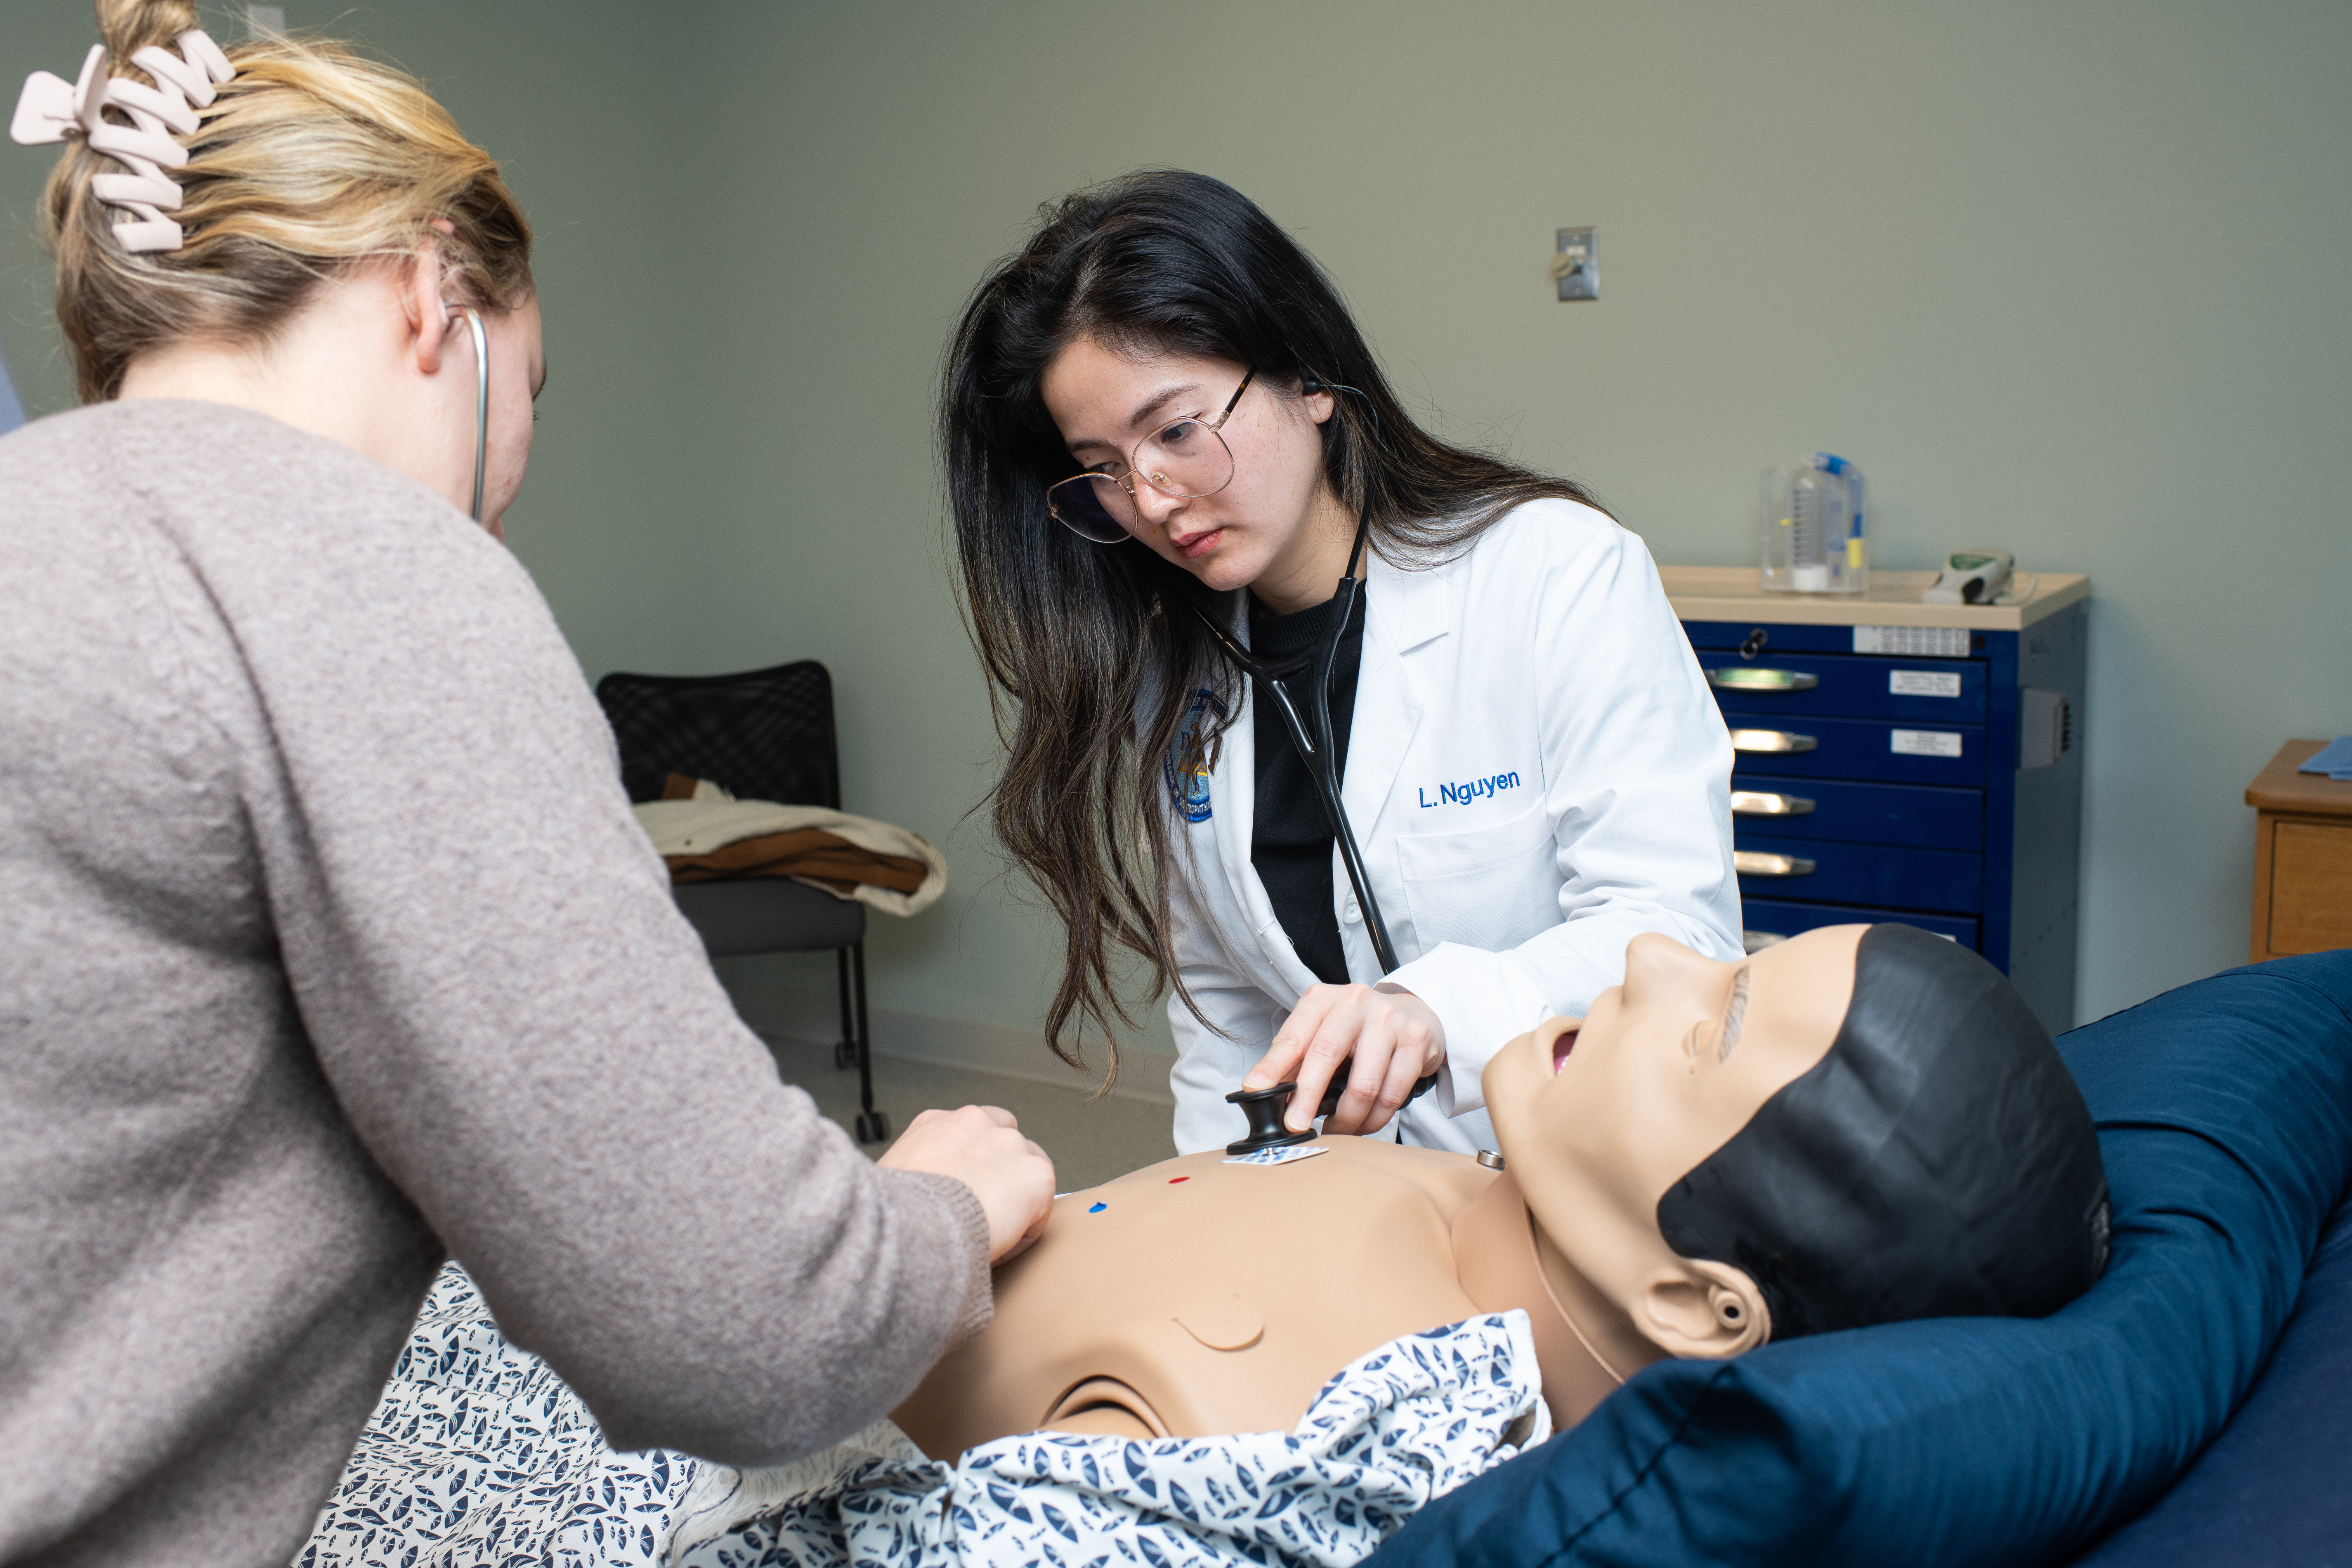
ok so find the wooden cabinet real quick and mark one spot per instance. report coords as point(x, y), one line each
point(2303, 858)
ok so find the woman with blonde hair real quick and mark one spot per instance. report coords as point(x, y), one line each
point(327, 944)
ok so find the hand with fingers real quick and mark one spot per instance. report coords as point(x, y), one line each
point(1379, 1039)
point(982, 1147)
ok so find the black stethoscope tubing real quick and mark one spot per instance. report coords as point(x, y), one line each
point(1316, 750)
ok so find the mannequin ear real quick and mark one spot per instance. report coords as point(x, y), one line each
point(1703, 1311)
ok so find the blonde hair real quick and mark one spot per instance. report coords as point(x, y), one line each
point(311, 162)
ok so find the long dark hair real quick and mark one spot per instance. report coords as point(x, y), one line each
point(1091, 662)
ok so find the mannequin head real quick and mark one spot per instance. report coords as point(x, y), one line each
point(1860, 1125)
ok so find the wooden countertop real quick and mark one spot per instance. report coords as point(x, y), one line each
point(2279, 787)
point(1730, 594)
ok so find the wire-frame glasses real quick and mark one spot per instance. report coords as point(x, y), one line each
point(1186, 459)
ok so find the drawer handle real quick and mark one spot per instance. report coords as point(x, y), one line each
point(1755, 679)
point(1772, 741)
point(1757, 863)
point(1763, 802)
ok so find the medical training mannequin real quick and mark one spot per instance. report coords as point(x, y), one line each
point(1860, 1125)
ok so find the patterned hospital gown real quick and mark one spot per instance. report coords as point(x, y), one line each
point(479, 1455)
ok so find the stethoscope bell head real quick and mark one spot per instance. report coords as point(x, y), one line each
point(1263, 1107)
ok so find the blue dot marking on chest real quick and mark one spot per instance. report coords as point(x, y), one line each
point(1098, 1209)
point(1463, 793)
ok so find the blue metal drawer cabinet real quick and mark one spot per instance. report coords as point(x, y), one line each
point(1905, 761)
point(1853, 748)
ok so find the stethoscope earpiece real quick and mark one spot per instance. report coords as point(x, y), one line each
point(1308, 388)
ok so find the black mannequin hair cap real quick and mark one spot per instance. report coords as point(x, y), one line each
point(1938, 1162)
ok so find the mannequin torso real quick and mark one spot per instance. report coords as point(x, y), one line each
point(1856, 1126)
point(1203, 1297)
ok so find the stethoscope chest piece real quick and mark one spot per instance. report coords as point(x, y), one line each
point(1263, 1107)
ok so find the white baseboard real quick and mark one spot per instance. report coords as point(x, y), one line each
point(815, 1019)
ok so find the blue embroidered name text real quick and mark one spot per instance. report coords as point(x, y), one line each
point(1464, 793)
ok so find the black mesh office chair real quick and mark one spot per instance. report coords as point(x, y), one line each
point(766, 735)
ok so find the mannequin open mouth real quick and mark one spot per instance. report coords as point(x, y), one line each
point(1559, 1049)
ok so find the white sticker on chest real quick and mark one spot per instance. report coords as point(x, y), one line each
point(1277, 1156)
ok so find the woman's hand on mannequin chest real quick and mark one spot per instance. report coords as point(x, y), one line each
point(1383, 1038)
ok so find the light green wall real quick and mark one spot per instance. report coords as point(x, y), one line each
point(604, 523)
point(2067, 278)
point(51, 37)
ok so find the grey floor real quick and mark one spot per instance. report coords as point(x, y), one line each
point(1091, 1140)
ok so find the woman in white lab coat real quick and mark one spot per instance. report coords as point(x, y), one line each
point(1158, 414)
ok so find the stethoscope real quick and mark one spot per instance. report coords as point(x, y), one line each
point(481, 401)
point(1315, 744)
point(1316, 751)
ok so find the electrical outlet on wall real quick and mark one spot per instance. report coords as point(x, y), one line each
point(1576, 267)
point(264, 21)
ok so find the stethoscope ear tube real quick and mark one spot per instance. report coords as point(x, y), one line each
point(481, 402)
point(1317, 749)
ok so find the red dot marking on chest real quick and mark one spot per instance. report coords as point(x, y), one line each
point(1174, 1179)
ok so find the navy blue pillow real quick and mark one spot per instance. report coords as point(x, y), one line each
point(2272, 1491)
point(2225, 1119)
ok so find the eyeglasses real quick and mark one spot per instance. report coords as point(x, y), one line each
point(1186, 459)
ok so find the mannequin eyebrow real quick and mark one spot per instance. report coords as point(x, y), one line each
point(1734, 1016)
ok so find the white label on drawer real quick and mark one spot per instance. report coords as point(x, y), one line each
point(1913, 642)
point(1923, 743)
point(1923, 682)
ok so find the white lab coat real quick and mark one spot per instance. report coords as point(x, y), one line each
point(1536, 773)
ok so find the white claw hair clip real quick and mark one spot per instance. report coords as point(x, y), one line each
point(52, 109)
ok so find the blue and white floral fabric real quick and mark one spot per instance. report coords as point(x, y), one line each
point(1411, 1421)
point(479, 1455)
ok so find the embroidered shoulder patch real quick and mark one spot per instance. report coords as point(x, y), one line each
point(1190, 758)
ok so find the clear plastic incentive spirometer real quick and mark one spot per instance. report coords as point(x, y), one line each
point(1812, 514)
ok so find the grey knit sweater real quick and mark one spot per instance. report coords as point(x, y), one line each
point(328, 945)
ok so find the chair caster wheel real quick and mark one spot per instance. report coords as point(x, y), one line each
point(873, 1127)
point(845, 1054)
